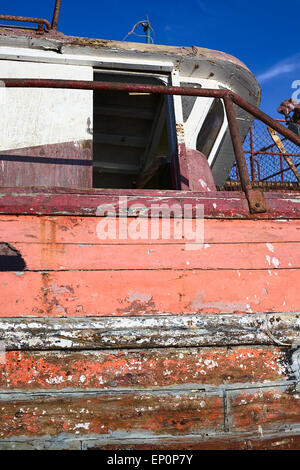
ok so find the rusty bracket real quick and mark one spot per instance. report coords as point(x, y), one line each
point(256, 200)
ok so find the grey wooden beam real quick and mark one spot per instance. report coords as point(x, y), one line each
point(83, 333)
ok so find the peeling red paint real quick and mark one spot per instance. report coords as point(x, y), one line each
point(153, 368)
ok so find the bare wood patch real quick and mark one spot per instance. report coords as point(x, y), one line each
point(277, 406)
point(287, 440)
point(105, 414)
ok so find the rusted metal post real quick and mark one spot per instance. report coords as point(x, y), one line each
point(255, 197)
point(56, 14)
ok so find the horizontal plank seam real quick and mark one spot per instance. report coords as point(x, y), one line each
point(104, 439)
point(191, 387)
point(209, 390)
point(152, 243)
point(174, 270)
point(77, 213)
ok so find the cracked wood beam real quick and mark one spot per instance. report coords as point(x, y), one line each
point(150, 331)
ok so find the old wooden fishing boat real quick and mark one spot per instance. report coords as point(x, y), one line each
point(117, 333)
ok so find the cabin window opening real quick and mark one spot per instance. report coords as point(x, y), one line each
point(188, 102)
point(210, 128)
point(130, 136)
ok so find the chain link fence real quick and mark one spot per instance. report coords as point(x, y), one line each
point(271, 164)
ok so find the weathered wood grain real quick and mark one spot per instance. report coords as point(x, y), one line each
point(138, 413)
point(229, 441)
point(263, 408)
point(41, 444)
point(286, 440)
point(138, 292)
point(83, 230)
point(149, 331)
point(48, 164)
point(152, 368)
point(216, 204)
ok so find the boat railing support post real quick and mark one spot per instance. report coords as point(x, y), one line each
point(255, 197)
point(55, 14)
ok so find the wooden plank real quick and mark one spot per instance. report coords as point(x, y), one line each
point(142, 205)
point(286, 440)
point(67, 229)
point(219, 204)
point(153, 193)
point(58, 256)
point(142, 369)
point(123, 111)
point(140, 292)
point(276, 406)
point(124, 140)
point(41, 444)
point(116, 167)
point(86, 333)
point(139, 413)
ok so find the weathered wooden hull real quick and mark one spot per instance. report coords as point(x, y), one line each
point(125, 344)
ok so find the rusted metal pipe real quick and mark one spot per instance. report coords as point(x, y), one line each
point(237, 144)
point(27, 19)
point(165, 90)
point(56, 14)
point(255, 197)
point(112, 86)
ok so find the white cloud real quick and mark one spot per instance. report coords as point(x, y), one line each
point(284, 66)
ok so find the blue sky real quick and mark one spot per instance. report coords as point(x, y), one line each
point(262, 33)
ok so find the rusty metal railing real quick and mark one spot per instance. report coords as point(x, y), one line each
point(254, 196)
point(41, 22)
